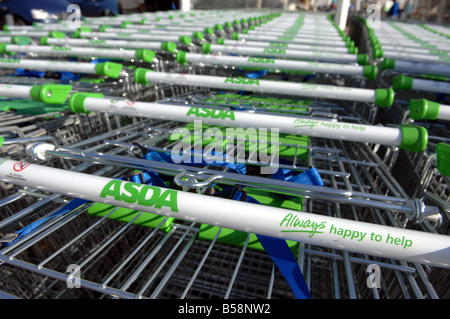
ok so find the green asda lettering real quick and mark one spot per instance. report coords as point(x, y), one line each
point(261, 60)
point(144, 195)
point(278, 45)
point(241, 80)
point(211, 113)
point(283, 38)
point(97, 41)
point(56, 48)
point(274, 51)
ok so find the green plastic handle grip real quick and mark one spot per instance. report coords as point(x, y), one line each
point(76, 101)
point(401, 82)
point(421, 109)
point(414, 138)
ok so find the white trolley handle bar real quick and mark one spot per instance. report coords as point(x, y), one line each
point(342, 234)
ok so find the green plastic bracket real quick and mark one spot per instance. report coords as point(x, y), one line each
point(206, 48)
point(181, 57)
point(363, 59)
point(145, 55)
point(169, 46)
point(109, 69)
point(58, 35)
point(401, 82)
point(50, 93)
point(370, 71)
point(20, 40)
point(76, 101)
point(384, 97)
point(443, 158)
point(140, 75)
point(4, 49)
point(421, 109)
point(414, 138)
point(387, 64)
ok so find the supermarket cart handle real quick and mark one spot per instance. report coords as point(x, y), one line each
point(408, 137)
point(360, 237)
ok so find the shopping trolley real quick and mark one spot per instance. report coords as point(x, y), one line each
point(201, 250)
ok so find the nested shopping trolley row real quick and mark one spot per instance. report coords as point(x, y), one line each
point(192, 187)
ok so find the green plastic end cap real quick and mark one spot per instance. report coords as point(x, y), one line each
point(401, 82)
point(20, 40)
point(76, 101)
point(443, 158)
point(384, 97)
point(218, 27)
point(353, 50)
point(140, 75)
point(4, 49)
point(198, 35)
point(59, 35)
point(6, 27)
point(370, 71)
point(44, 40)
point(235, 36)
point(421, 109)
point(125, 23)
point(169, 46)
point(377, 53)
point(181, 57)
point(206, 48)
point(109, 69)
point(145, 55)
point(414, 138)
point(185, 39)
point(245, 31)
point(209, 30)
point(363, 59)
point(228, 25)
point(50, 93)
point(2, 139)
point(349, 43)
point(387, 64)
point(103, 27)
point(221, 41)
point(77, 34)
